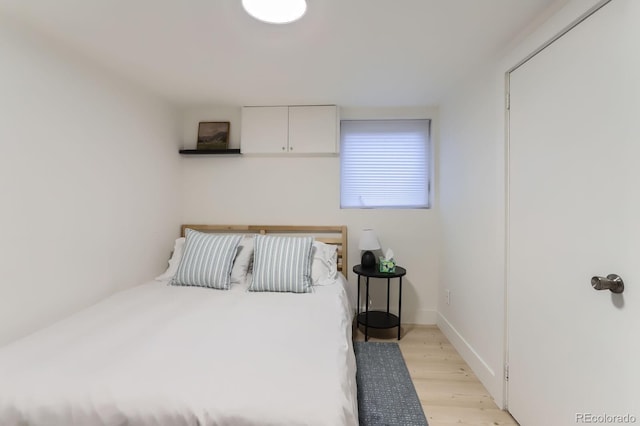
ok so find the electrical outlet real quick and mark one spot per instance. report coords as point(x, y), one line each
point(448, 294)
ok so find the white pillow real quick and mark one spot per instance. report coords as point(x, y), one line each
point(176, 255)
point(324, 264)
point(243, 260)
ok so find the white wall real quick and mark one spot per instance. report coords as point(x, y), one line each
point(472, 208)
point(89, 174)
point(306, 191)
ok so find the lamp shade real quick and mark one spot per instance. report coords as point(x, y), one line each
point(368, 240)
point(275, 11)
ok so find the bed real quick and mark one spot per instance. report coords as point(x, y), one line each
point(167, 353)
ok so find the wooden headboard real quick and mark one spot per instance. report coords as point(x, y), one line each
point(336, 235)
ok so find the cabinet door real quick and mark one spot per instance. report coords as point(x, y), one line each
point(313, 129)
point(264, 130)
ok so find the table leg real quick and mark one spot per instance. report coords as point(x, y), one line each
point(388, 282)
point(366, 315)
point(399, 307)
point(358, 305)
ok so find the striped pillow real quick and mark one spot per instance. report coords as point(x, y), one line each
point(282, 264)
point(207, 260)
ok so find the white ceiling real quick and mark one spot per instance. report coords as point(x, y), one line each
point(345, 52)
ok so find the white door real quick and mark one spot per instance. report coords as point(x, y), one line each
point(574, 213)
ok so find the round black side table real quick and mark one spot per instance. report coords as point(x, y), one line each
point(379, 319)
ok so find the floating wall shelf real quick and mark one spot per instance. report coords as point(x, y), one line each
point(209, 151)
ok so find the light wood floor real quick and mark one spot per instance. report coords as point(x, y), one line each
point(450, 392)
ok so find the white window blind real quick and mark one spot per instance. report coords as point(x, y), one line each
point(384, 163)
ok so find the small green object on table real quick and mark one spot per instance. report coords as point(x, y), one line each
point(387, 265)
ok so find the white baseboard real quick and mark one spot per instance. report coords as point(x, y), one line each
point(481, 369)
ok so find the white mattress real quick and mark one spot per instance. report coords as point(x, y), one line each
point(164, 355)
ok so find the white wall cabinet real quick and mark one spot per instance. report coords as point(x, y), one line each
point(289, 130)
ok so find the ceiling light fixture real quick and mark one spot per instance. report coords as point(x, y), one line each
point(275, 11)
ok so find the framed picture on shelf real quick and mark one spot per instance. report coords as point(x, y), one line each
point(213, 135)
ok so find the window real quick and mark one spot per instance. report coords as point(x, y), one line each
point(384, 164)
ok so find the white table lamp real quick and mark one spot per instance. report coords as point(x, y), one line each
point(368, 242)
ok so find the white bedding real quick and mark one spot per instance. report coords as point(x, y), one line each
point(165, 355)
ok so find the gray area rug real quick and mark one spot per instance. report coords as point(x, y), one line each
point(386, 395)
